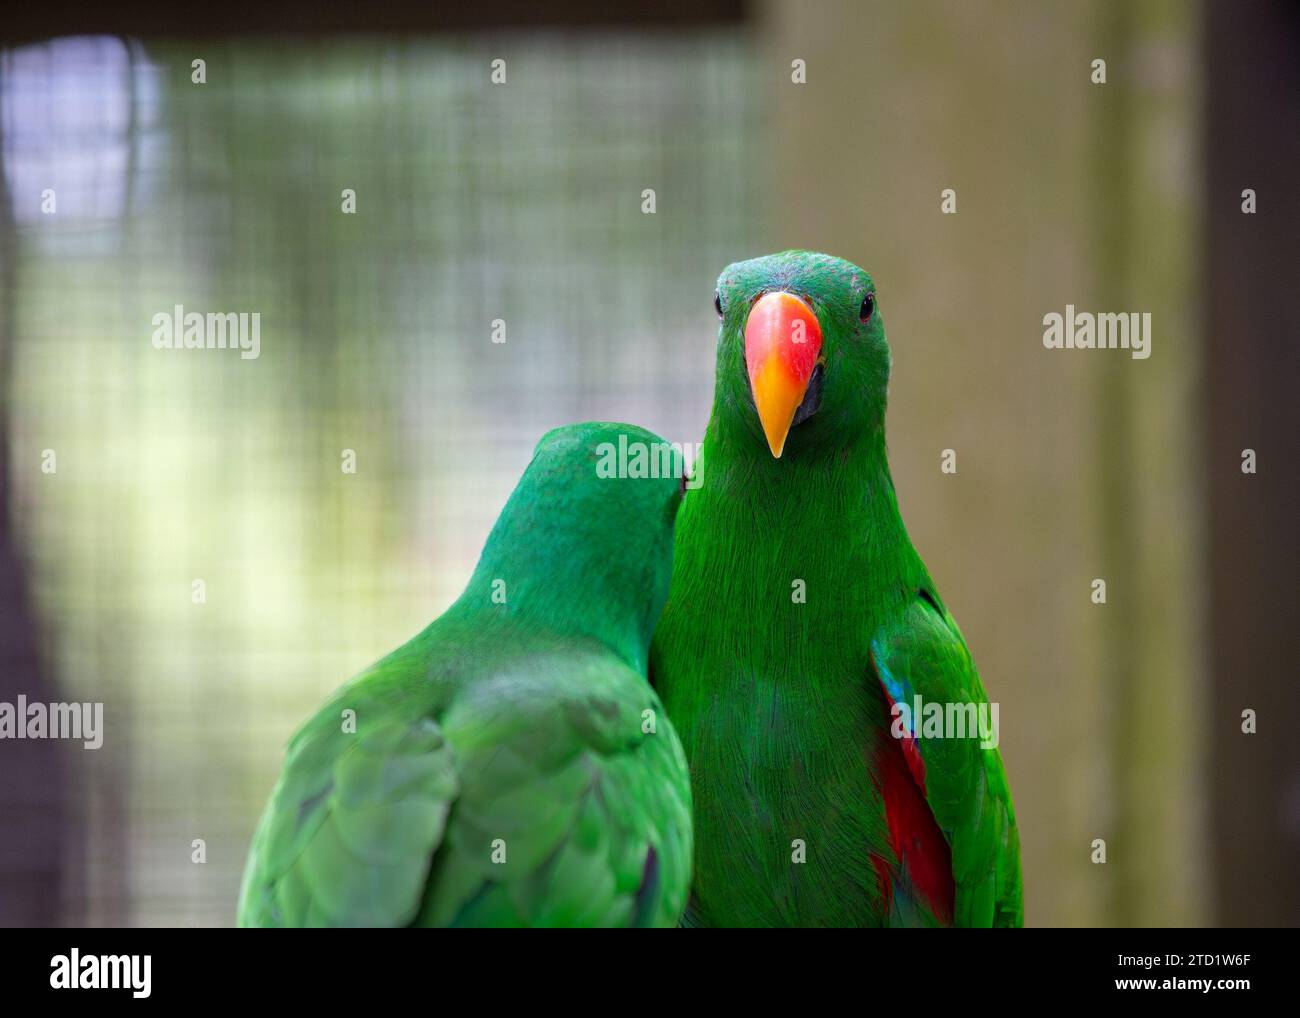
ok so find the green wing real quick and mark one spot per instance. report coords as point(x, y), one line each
point(522, 805)
point(920, 651)
point(352, 825)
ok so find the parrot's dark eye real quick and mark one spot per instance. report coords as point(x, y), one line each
point(868, 307)
point(717, 302)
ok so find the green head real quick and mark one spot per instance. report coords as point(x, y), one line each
point(802, 358)
point(584, 544)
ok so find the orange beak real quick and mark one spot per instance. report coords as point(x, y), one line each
point(782, 344)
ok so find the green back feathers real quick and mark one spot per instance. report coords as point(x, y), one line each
point(510, 766)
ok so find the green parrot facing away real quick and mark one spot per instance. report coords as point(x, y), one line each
point(803, 632)
point(510, 765)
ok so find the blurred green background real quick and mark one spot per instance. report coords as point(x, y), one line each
point(522, 202)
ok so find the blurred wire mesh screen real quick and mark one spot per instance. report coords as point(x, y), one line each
point(205, 565)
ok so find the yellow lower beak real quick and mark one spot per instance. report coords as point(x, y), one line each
point(777, 396)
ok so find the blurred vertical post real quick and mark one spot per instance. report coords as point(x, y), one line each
point(32, 800)
point(1249, 298)
point(1148, 472)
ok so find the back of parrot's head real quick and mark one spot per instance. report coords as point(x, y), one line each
point(585, 541)
point(803, 363)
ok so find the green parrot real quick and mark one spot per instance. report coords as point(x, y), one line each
point(804, 642)
point(510, 765)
